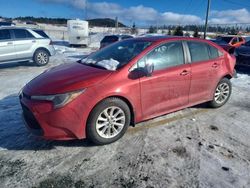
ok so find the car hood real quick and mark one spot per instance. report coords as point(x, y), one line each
point(65, 78)
point(244, 50)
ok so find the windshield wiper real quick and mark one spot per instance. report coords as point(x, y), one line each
point(92, 65)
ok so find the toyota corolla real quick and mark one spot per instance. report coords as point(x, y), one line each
point(125, 83)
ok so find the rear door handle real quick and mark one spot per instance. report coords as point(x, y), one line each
point(33, 41)
point(10, 43)
point(184, 73)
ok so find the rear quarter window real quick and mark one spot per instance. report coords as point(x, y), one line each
point(41, 33)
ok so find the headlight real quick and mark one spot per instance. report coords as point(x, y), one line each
point(59, 100)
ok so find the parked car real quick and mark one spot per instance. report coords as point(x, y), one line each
point(125, 83)
point(107, 40)
point(229, 43)
point(20, 44)
point(242, 55)
point(4, 23)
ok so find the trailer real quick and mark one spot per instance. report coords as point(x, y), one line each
point(78, 32)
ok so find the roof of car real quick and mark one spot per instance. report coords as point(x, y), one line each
point(169, 37)
point(12, 27)
point(121, 35)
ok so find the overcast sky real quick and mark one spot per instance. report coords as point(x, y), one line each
point(142, 12)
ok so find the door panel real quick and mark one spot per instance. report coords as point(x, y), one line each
point(167, 89)
point(24, 48)
point(205, 70)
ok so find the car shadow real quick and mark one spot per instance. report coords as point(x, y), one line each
point(17, 64)
point(14, 135)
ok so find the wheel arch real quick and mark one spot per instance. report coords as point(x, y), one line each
point(228, 76)
point(131, 108)
point(42, 48)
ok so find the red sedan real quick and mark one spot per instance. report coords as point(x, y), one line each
point(123, 84)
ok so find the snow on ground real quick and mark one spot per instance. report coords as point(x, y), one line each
point(195, 147)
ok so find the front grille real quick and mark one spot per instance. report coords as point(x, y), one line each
point(30, 118)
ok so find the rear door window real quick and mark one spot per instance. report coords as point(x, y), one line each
point(22, 34)
point(198, 51)
point(5, 34)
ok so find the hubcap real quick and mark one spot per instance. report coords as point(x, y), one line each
point(110, 122)
point(221, 93)
point(42, 58)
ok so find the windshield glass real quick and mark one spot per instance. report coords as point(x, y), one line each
point(117, 55)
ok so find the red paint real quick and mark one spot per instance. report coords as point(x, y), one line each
point(163, 92)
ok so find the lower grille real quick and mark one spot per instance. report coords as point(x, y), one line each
point(30, 118)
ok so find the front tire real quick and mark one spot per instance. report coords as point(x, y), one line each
point(41, 57)
point(108, 121)
point(222, 93)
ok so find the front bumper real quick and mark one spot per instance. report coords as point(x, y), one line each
point(42, 120)
point(52, 50)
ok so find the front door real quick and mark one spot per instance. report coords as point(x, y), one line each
point(167, 89)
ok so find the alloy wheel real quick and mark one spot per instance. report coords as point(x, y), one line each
point(110, 122)
point(222, 93)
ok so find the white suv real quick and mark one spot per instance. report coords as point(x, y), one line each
point(20, 44)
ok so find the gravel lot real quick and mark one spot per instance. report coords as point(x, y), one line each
point(195, 147)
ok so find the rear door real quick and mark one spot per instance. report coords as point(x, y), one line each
point(24, 43)
point(205, 63)
point(167, 89)
point(7, 51)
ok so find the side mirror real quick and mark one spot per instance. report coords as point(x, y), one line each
point(149, 69)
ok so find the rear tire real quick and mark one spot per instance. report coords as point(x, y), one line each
point(41, 57)
point(222, 93)
point(108, 121)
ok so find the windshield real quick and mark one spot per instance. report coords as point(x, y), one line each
point(117, 55)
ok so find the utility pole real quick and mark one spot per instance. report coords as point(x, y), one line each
point(86, 10)
point(208, 9)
